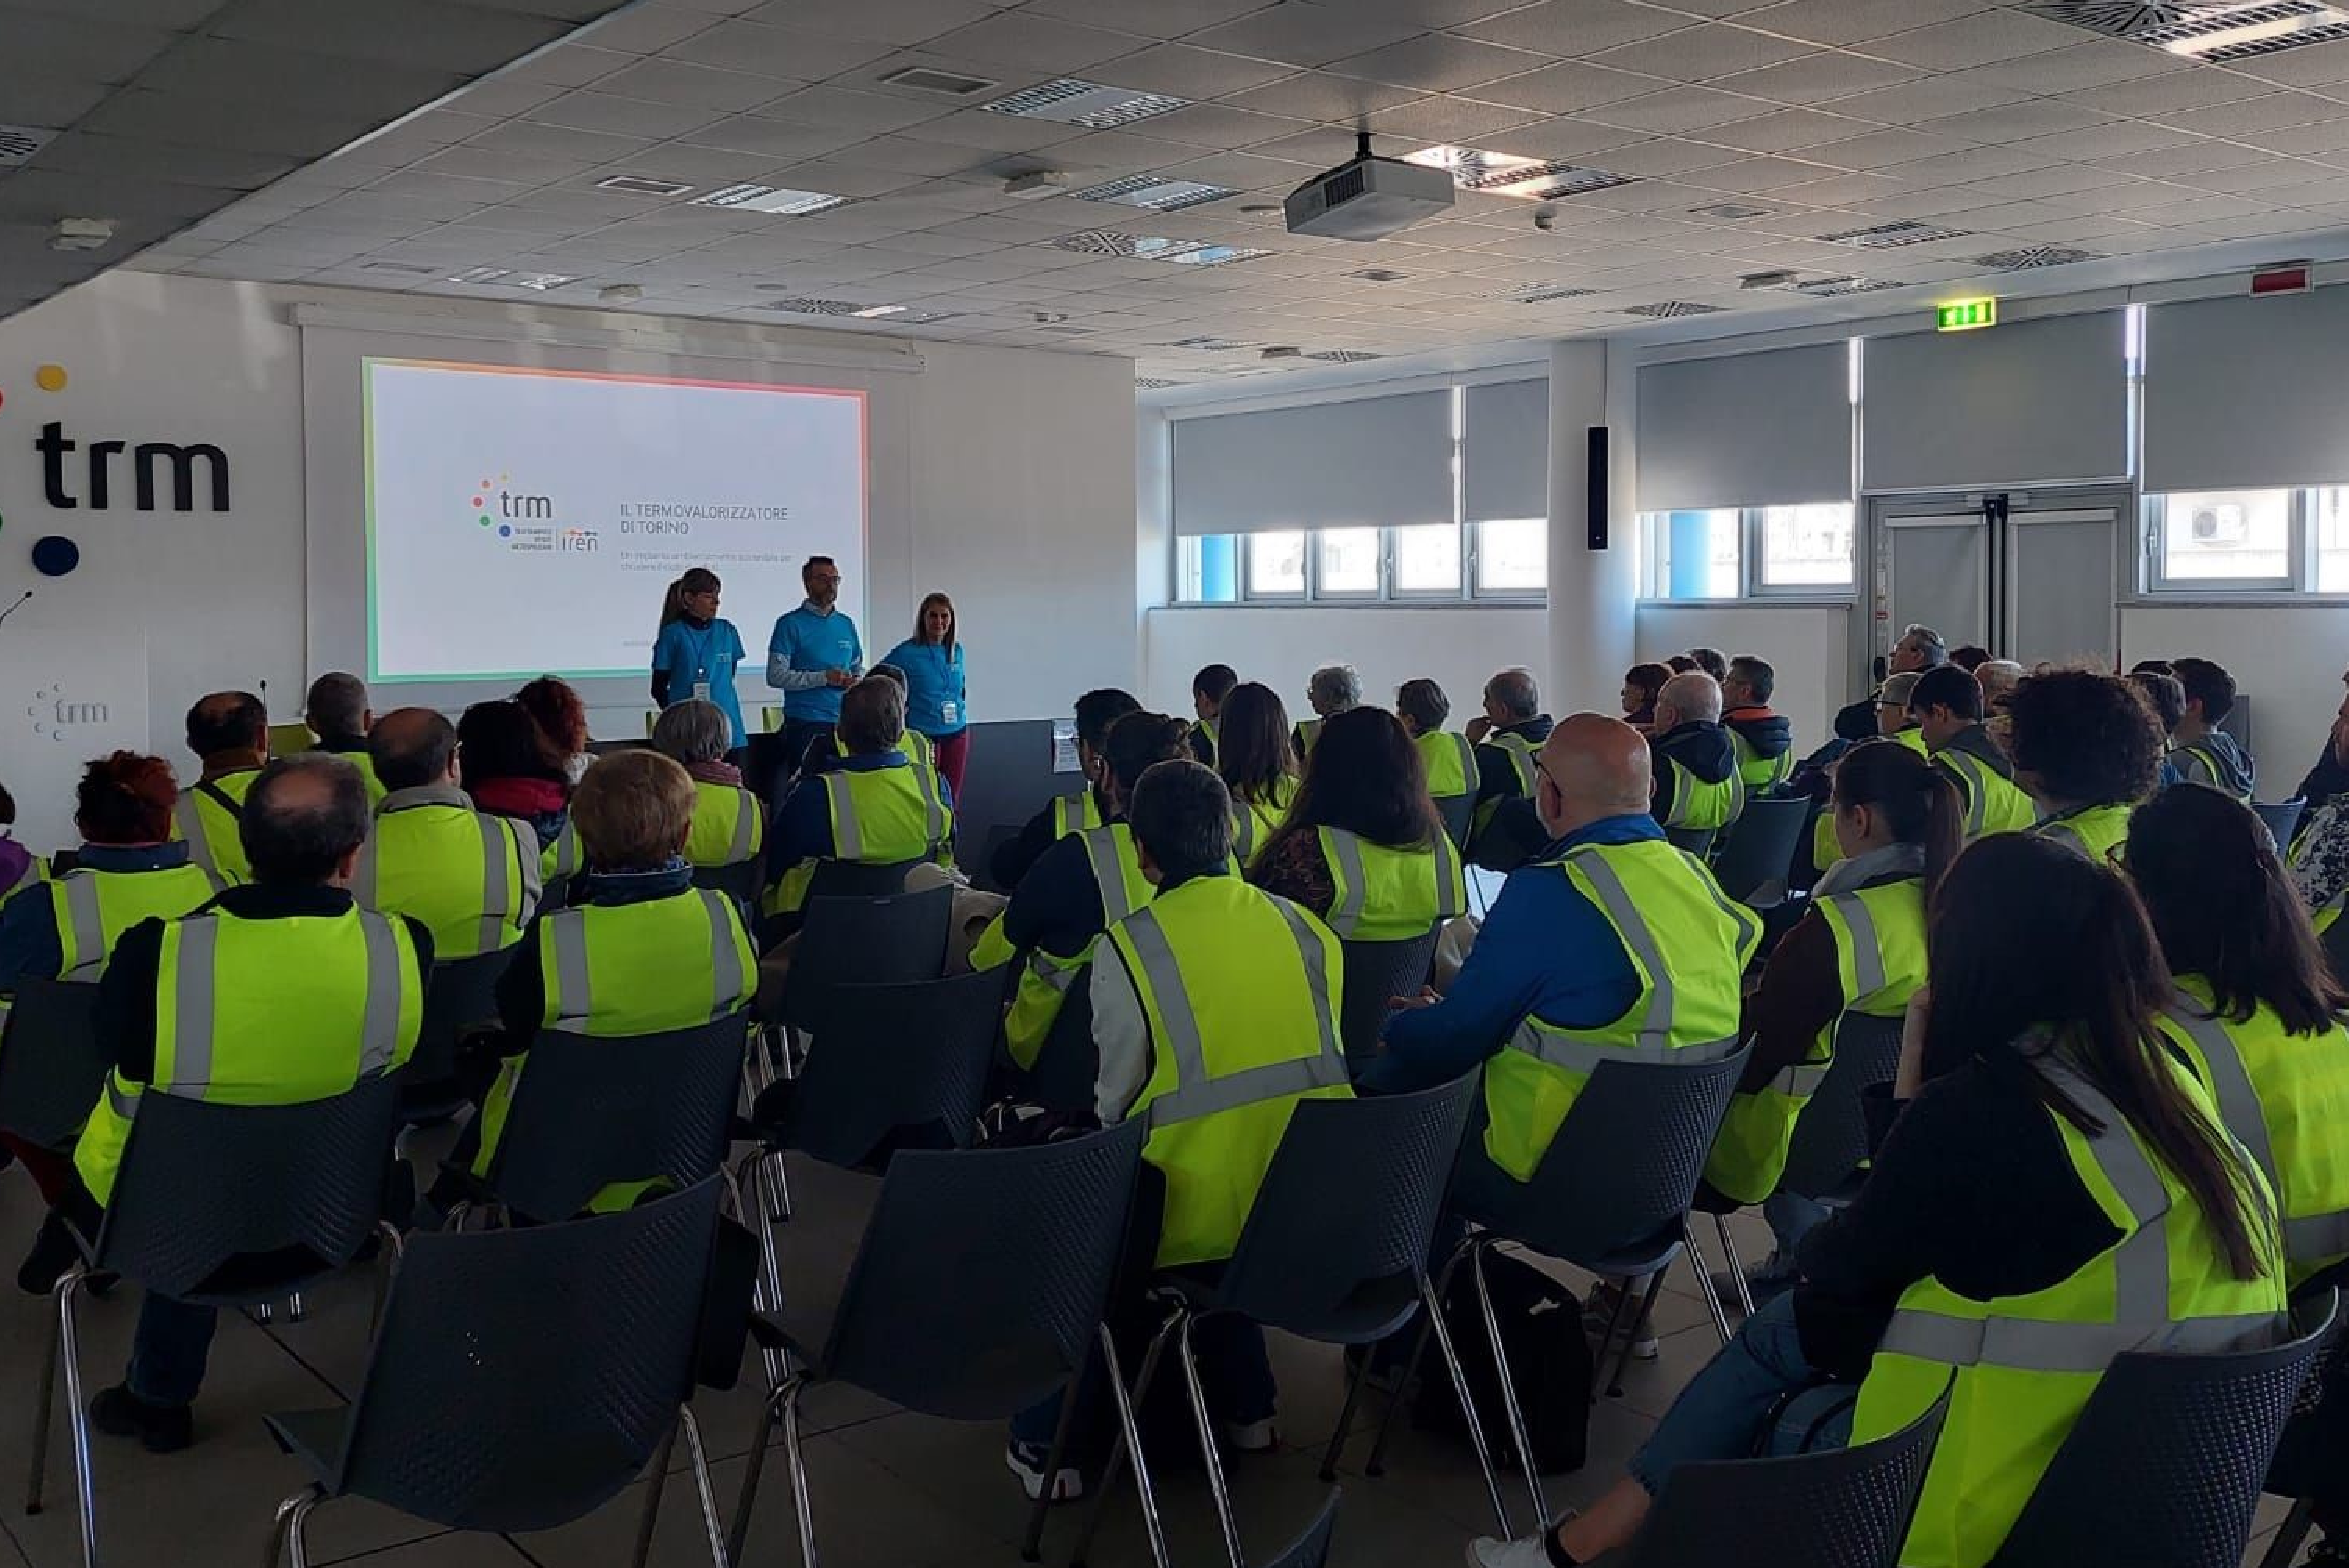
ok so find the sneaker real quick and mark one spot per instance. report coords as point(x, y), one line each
point(1600, 1308)
point(1252, 1436)
point(1526, 1551)
point(160, 1429)
point(1027, 1461)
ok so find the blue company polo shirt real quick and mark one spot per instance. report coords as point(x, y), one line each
point(696, 655)
point(813, 640)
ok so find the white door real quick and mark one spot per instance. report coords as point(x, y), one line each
point(1937, 574)
point(2060, 579)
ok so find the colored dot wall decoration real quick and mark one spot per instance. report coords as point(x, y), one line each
point(50, 378)
point(55, 555)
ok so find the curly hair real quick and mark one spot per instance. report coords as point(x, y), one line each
point(553, 704)
point(125, 798)
point(2084, 737)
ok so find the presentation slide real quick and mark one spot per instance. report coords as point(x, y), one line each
point(523, 522)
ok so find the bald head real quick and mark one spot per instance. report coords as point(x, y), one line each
point(1593, 767)
point(1690, 698)
point(411, 748)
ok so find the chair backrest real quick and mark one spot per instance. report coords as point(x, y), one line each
point(521, 1378)
point(1313, 1264)
point(983, 1274)
point(1311, 1550)
point(2282, 816)
point(1831, 1135)
point(983, 871)
point(1759, 850)
point(1067, 1071)
point(1626, 1161)
point(1459, 813)
point(1697, 841)
point(52, 1069)
point(2189, 1437)
point(2334, 940)
point(896, 1063)
point(461, 995)
point(853, 879)
point(1375, 973)
point(866, 941)
point(738, 881)
point(592, 1111)
point(204, 1187)
point(1844, 1508)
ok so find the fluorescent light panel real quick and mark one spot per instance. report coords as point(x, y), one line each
point(1154, 194)
point(770, 199)
point(1506, 174)
point(1069, 100)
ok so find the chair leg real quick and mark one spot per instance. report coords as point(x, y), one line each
point(1705, 1279)
point(279, 1528)
point(1508, 1387)
point(1031, 1544)
point(1210, 1451)
point(1632, 1331)
point(1130, 1431)
point(43, 1407)
point(770, 1409)
point(297, 1529)
point(1734, 1264)
point(1376, 1464)
point(1623, 1293)
point(263, 1313)
point(656, 1482)
point(1129, 1436)
point(76, 1416)
point(2289, 1535)
point(1467, 1405)
point(296, 1310)
point(1361, 1375)
point(711, 1525)
point(803, 1498)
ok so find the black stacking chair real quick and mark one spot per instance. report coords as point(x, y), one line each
point(859, 940)
point(1311, 1550)
point(2313, 1453)
point(1697, 841)
point(1459, 813)
point(741, 880)
point(1067, 1068)
point(978, 1289)
point(1758, 851)
point(1847, 1507)
point(2283, 818)
point(1375, 972)
point(51, 1067)
point(1612, 1197)
point(224, 1206)
point(983, 875)
point(2188, 1436)
point(853, 879)
point(521, 1379)
point(459, 998)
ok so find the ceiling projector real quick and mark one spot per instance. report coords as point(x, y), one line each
point(1367, 198)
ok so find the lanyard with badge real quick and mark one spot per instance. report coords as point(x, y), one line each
point(699, 647)
point(949, 708)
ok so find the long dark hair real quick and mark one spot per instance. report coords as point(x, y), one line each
point(954, 623)
point(697, 580)
point(1252, 748)
point(2032, 938)
point(1920, 801)
point(2224, 908)
point(1363, 776)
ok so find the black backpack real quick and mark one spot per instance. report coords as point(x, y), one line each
point(1541, 1329)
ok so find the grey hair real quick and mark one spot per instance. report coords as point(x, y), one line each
point(1694, 695)
point(693, 731)
point(1516, 692)
point(1337, 685)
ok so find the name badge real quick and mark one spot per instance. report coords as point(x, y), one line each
point(949, 711)
point(702, 691)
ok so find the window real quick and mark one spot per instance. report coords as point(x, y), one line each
point(1513, 556)
point(1427, 561)
point(2216, 542)
point(1207, 568)
point(1348, 561)
point(1735, 553)
point(1276, 565)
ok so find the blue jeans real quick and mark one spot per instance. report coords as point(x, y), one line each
point(1233, 1369)
point(1725, 1408)
point(169, 1351)
point(1791, 1218)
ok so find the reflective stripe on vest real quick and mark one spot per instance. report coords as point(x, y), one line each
point(197, 986)
point(1968, 771)
point(1692, 797)
point(573, 982)
point(501, 917)
point(1866, 950)
point(1088, 814)
point(82, 934)
point(1520, 753)
point(1109, 874)
point(2308, 1239)
point(848, 837)
point(1195, 1093)
point(1344, 851)
point(746, 826)
point(89, 929)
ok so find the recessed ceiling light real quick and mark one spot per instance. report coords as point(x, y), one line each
point(1214, 255)
point(541, 282)
point(478, 274)
point(2211, 31)
point(1506, 174)
point(1890, 236)
point(19, 142)
point(1153, 192)
point(1092, 105)
point(948, 83)
point(642, 185)
point(874, 312)
point(1836, 288)
point(770, 199)
point(1664, 310)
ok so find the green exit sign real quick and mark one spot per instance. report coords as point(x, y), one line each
point(1965, 315)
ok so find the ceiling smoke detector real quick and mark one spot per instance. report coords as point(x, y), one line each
point(1035, 183)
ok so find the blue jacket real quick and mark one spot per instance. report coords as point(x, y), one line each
point(30, 947)
point(1545, 951)
point(806, 644)
point(932, 680)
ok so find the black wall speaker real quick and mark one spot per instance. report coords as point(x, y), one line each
point(1595, 487)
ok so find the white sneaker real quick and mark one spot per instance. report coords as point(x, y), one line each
point(1526, 1551)
point(1252, 1436)
point(1601, 1307)
point(1026, 1461)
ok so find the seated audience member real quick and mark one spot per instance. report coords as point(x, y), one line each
point(2319, 852)
point(1257, 764)
point(2038, 1060)
point(1066, 814)
point(876, 808)
point(647, 953)
point(1999, 677)
point(555, 705)
point(1919, 648)
point(2330, 777)
point(1970, 656)
point(2202, 752)
point(1641, 685)
point(1084, 884)
point(1332, 690)
point(275, 993)
point(1508, 735)
point(129, 869)
point(1893, 719)
point(2086, 749)
point(1860, 948)
point(1554, 967)
point(336, 712)
point(728, 827)
point(1947, 703)
point(2258, 1011)
point(469, 877)
point(19, 867)
point(1764, 740)
point(1696, 781)
point(229, 733)
point(2150, 667)
point(825, 749)
point(2161, 694)
point(1449, 757)
point(1208, 689)
point(510, 768)
point(1713, 662)
point(1200, 1000)
point(1362, 847)
point(1681, 664)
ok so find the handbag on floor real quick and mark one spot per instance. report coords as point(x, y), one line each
point(1549, 1359)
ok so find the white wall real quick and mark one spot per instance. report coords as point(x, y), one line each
point(1022, 475)
point(1809, 648)
point(1458, 649)
point(2287, 660)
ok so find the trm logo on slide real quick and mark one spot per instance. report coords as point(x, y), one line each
point(526, 523)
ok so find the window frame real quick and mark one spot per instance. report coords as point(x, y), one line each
point(2298, 582)
point(1753, 553)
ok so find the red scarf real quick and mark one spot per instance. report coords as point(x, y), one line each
point(716, 773)
point(520, 797)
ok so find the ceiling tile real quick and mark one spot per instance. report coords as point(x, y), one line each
point(2276, 112)
point(1975, 163)
point(2187, 159)
point(644, 29)
point(836, 107)
point(702, 87)
point(2327, 136)
point(1184, 72)
point(1703, 53)
point(1878, 148)
point(1570, 87)
point(1150, 18)
point(1851, 21)
point(1433, 62)
point(2017, 121)
point(432, 33)
point(2107, 142)
point(900, 23)
point(1336, 99)
point(1222, 126)
point(1452, 119)
point(997, 133)
point(2097, 63)
point(1973, 40)
point(1786, 129)
point(1569, 135)
point(1678, 109)
point(1815, 78)
point(550, 141)
point(584, 111)
point(1035, 43)
point(2268, 174)
point(1302, 33)
point(2173, 90)
point(1570, 28)
point(1663, 155)
point(1930, 98)
point(2311, 66)
point(786, 52)
point(780, 139)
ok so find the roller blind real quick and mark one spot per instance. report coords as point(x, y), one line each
point(2031, 402)
point(1504, 451)
point(1746, 429)
point(1370, 463)
point(2241, 394)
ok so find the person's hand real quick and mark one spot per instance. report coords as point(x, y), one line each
point(1427, 997)
point(1909, 1077)
point(1477, 728)
point(840, 677)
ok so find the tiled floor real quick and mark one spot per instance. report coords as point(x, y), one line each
point(891, 1489)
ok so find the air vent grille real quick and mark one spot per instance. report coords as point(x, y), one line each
point(1665, 310)
point(1155, 248)
point(1731, 211)
point(1155, 382)
point(642, 185)
point(19, 142)
point(2030, 257)
point(416, 269)
point(1069, 101)
point(770, 199)
point(814, 306)
point(947, 84)
point(1211, 345)
point(1154, 194)
point(2205, 30)
point(1891, 236)
point(1546, 293)
point(1344, 356)
point(1343, 186)
point(1836, 288)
